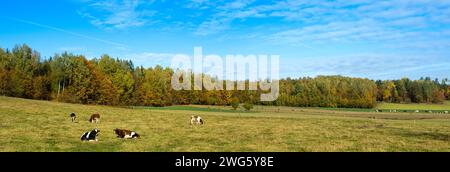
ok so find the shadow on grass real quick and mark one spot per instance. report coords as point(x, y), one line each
point(433, 135)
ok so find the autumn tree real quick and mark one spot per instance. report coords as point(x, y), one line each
point(120, 74)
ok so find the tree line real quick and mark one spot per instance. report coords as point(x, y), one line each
point(111, 81)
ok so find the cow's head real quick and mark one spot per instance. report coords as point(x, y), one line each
point(116, 131)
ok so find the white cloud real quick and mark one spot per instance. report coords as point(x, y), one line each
point(237, 4)
point(337, 32)
point(213, 26)
point(392, 21)
point(200, 4)
point(118, 14)
point(225, 14)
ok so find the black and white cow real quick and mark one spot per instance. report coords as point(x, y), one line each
point(90, 136)
point(127, 134)
point(196, 120)
point(73, 117)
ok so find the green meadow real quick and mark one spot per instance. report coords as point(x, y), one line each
point(38, 126)
point(422, 106)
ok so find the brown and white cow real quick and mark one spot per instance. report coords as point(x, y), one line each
point(127, 134)
point(95, 118)
point(196, 120)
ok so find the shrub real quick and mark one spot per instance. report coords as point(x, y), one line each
point(248, 106)
point(235, 103)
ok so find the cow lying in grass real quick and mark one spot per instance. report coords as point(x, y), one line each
point(127, 134)
point(90, 136)
point(95, 118)
point(196, 120)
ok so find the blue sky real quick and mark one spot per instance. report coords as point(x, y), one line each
point(362, 38)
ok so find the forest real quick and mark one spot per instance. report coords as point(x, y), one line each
point(111, 81)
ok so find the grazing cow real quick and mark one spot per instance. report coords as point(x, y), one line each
point(95, 118)
point(127, 134)
point(90, 136)
point(196, 120)
point(73, 116)
point(417, 111)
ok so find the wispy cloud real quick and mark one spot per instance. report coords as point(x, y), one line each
point(200, 4)
point(213, 26)
point(223, 15)
point(405, 23)
point(335, 21)
point(363, 30)
point(118, 14)
point(115, 44)
point(292, 20)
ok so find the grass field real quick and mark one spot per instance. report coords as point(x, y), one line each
point(30, 125)
point(438, 107)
